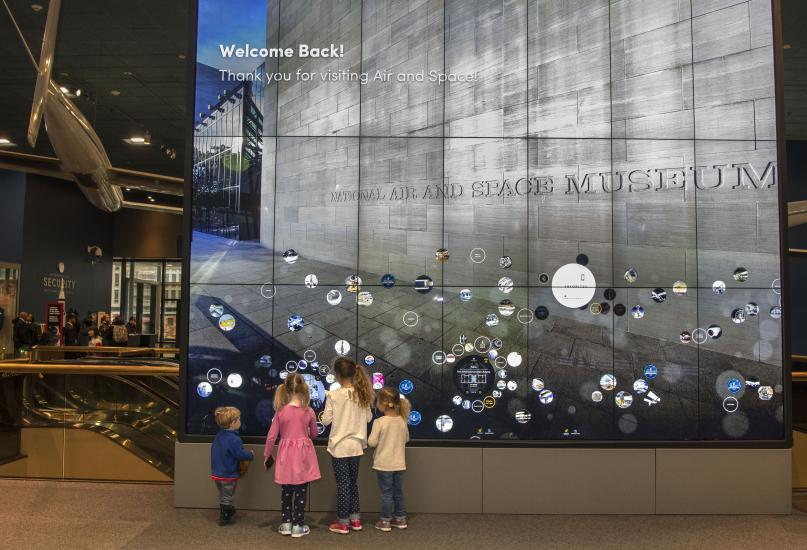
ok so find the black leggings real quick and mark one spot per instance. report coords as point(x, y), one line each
point(292, 500)
point(346, 472)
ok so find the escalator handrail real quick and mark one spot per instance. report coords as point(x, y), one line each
point(57, 368)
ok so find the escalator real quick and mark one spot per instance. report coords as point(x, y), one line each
point(138, 412)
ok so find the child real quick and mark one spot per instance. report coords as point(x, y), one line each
point(225, 454)
point(389, 436)
point(296, 425)
point(348, 408)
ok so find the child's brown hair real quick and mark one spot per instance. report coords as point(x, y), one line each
point(389, 398)
point(225, 416)
point(293, 385)
point(346, 369)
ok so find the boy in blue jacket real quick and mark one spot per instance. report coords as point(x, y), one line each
point(225, 454)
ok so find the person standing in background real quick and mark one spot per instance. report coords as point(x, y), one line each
point(17, 332)
point(71, 332)
point(131, 326)
point(105, 331)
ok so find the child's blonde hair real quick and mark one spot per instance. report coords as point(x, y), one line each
point(389, 398)
point(293, 385)
point(346, 369)
point(225, 416)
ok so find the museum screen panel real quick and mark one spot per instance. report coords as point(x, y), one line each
point(539, 220)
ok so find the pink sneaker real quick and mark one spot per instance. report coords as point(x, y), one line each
point(339, 528)
point(355, 525)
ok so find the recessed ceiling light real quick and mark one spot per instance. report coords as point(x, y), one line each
point(115, 93)
point(128, 188)
point(181, 56)
point(78, 92)
point(5, 142)
point(136, 140)
point(37, 7)
point(64, 89)
point(786, 47)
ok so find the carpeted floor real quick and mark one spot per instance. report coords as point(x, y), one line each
point(45, 514)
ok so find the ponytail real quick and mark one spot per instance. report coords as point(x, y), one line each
point(346, 369)
point(363, 386)
point(294, 384)
point(388, 398)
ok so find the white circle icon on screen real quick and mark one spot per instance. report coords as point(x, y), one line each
point(444, 423)
point(214, 376)
point(234, 380)
point(573, 285)
point(342, 347)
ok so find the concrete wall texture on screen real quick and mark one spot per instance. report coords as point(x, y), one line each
point(634, 138)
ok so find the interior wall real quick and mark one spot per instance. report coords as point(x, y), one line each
point(12, 185)
point(59, 226)
point(144, 234)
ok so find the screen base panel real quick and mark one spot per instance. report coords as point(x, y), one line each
point(532, 481)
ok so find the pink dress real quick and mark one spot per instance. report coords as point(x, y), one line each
point(296, 461)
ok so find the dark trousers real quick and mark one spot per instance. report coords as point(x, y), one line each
point(346, 472)
point(292, 500)
point(226, 492)
point(392, 499)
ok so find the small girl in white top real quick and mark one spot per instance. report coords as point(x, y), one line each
point(389, 436)
point(348, 410)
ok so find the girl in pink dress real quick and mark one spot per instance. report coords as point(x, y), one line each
point(295, 424)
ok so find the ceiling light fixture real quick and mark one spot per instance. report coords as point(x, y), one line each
point(64, 89)
point(37, 7)
point(786, 46)
point(5, 142)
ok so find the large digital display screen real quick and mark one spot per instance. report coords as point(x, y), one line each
point(540, 220)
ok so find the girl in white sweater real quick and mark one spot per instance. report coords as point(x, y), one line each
point(347, 410)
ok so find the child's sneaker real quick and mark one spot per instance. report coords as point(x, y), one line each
point(284, 529)
point(383, 525)
point(399, 523)
point(340, 528)
point(299, 531)
point(355, 525)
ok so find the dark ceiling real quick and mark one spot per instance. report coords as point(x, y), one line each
point(136, 47)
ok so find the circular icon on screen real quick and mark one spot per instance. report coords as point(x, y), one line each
point(522, 416)
point(608, 382)
point(204, 389)
point(537, 384)
point(637, 312)
point(573, 285)
point(226, 322)
point(751, 309)
point(640, 386)
point(369, 360)
point(741, 274)
point(650, 371)
point(596, 396)
point(734, 385)
point(290, 256)
point(214, 376)
point(364, 298)
point(738, 315)
point(679, 288)
point(478, 255)
point(414, 418)
point(765, 393)
point(234, 380)
point(441, 255)
point(714, 332)
point(506, 285)
point(609, 294)
point(473, 375)
point(333, 297)
point(524, 316)
point(543, 278)
point(424, 284)
point(491, 320)
point(541, 312)
point(659, 295)
point(685, 337)
point(295, 323)
point(342, 347)
point(582, 259)
point(444, 423)
point(406, 386)
point(719, 288)
point(514, 359)
point(352, 283)
point(730, 404)
point(776, 312)
point(311, 281)
point(631, 275)
point(216, 310)
point(410, 318)
point(465, 295)
point(506, 308)
point(388, 280)
point(546, 397)
point(623, 400)
point(505, 262)
point(619, 310)
point(268, 290)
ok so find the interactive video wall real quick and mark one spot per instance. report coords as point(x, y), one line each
point(539, 220)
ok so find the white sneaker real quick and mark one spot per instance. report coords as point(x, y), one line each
point(299, 531)
point(284, 529)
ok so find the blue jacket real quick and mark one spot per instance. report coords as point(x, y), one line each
point(225, 454)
